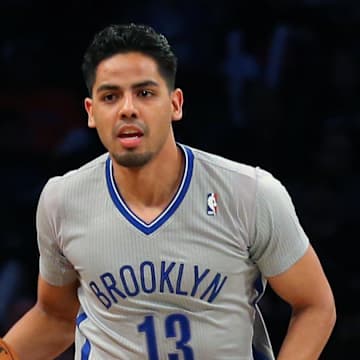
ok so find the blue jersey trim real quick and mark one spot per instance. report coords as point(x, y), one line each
point(259, 287)
point(170, 209)
point(81, 318)
point(85, 350)
point(257, 355)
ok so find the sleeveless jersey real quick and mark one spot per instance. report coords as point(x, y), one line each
point(186, 285)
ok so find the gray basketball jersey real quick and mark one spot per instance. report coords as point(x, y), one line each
point(186, 285)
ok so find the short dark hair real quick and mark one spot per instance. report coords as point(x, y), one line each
point(124, 38)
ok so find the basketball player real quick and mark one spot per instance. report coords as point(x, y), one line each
point(156, 250)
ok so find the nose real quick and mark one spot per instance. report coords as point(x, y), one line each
point(128, 109)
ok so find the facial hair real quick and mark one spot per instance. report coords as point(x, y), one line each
point(132, 159)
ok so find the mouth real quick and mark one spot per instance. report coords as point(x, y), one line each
point(130, 137)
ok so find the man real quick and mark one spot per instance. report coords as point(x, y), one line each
point(156, 250)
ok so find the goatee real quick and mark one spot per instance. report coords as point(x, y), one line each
point(132, 160)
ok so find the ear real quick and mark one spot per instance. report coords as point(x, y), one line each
point(88, 108)
point(177, 100)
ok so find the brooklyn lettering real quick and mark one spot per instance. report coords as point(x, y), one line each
point(167, 277)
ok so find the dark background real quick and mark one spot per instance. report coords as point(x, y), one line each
point(268, 83)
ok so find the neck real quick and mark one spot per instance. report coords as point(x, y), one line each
point(153, 185)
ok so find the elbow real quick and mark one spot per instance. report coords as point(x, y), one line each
point(329, 315)
point(332, 315)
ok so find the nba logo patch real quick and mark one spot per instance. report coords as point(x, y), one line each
point(212, 204)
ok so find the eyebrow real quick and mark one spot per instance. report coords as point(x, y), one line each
point(107, 87)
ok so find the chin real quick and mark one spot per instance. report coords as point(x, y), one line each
point(132, 160)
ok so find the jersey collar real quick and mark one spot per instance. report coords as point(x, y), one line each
point(149, 228)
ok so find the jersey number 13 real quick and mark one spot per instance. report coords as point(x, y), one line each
point(173, 323)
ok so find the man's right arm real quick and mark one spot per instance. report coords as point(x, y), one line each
point(48, 328)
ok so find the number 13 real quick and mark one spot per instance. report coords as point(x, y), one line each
point(148, 327)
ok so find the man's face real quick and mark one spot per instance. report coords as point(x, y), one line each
point(132, 108)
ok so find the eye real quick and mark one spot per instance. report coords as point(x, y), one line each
point(145, 93)
point(109, 97)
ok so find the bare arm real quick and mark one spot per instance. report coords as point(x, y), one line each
point(305, 287)
point(47, 329)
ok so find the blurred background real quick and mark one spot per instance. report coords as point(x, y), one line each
point(268, 83)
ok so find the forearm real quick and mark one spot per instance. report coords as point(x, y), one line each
point(308, 332)
point(39, 336)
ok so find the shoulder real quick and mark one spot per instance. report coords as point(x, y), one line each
point(75, 180)
point(207, 160)
point(243, 180)
point(72, 176)
point(270, 189)
point(234, 170)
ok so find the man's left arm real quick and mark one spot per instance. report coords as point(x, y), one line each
point(305, 287)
